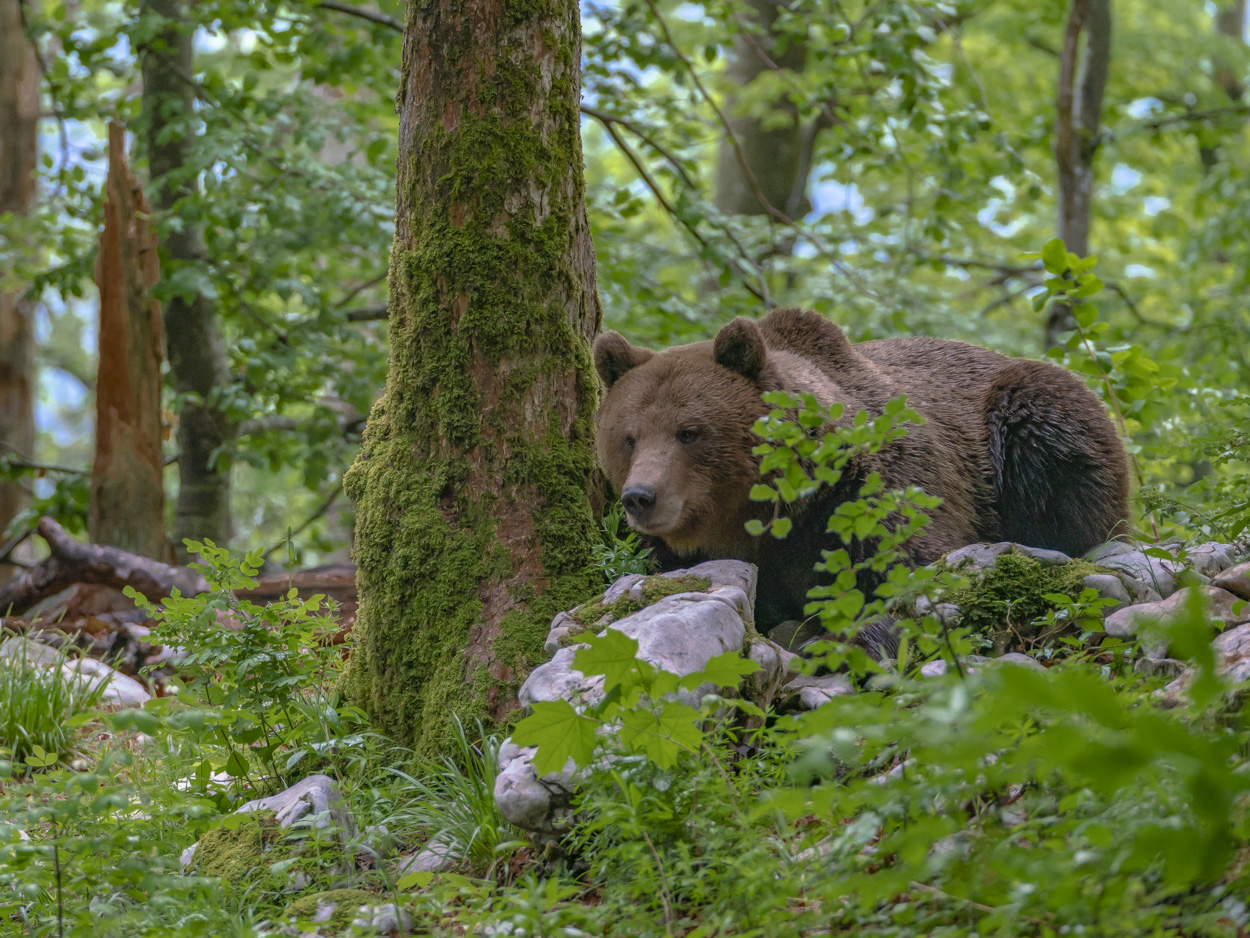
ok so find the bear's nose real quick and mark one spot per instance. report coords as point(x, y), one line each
point(638, 500)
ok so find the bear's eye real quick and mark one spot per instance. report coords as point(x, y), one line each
point(687, 436)
point(629, 443)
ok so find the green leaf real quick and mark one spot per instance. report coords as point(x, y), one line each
point(725, 670)
point(418, 880)
point(560, 733)
point(755, 526)
point(781, 527)
point(763, 493)
point(612, 654)
point(1055, 256)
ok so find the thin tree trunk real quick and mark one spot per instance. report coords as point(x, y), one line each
point(1083, 71)
point(19, 116)
point(198, 366)
point(1230, 23)
point(778, 157)
point(127, 507)
point(474, 525)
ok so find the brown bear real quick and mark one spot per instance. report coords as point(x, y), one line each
point(1018, 450)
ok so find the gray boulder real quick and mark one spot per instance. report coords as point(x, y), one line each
point(1236, 580)
point(1155, 572)
point(1109, 587)
point(977, 558)
point(1127, 622)
point(315, 797)
point(679, 633)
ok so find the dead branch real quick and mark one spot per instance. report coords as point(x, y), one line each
point(72, 561)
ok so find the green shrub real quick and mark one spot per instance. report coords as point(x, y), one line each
point(39, 706)
point(450, 801)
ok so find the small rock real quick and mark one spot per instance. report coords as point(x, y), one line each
point(1155, 572)
point(1232, 651)
point(436, 857)
point(976, 558)
point(31, 652)
point(946, 613)
point(1127, 622)
point(1018, 658)
point(1235, 580)
point(1212, 558)
point(384, 919)
point(1109, 587)
point(528, 801)
point(119, 690)
point(315, 795)
point(812, 691)
point(974, 663)
point(1139, 591)
point(1159, 667)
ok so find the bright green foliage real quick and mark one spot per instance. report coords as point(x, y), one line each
point(41, 707)
point(619, 555)
point(102, 859)
point(259, 679)
point(638, 710)
point(449, 802)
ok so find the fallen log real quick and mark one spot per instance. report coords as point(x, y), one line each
point(71, 561)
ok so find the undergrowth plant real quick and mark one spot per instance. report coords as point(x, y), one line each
point(259, 679)
point(617, 554)
point(449, 802)
point(40, 707)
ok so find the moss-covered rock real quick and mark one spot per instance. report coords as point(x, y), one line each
point(1005, 601)
point(331, 911)
point(236, 854)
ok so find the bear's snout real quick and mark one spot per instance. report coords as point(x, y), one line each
point(639, 500)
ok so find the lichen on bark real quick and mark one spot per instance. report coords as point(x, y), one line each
point(474, 524)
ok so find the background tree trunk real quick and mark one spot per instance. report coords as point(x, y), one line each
point(19, 117)
point(474, 525)
point(778, 157)
point(1078, 115)
point(198, 367)
point(127, 507)
point(1230, 24)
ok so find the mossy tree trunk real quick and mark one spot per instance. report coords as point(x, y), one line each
point(474, 524)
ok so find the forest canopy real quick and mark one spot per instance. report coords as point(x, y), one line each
point(886, 164)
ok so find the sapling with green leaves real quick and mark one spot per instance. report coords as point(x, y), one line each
point(258, 679)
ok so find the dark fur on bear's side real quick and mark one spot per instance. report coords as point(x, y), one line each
point(1018, 450)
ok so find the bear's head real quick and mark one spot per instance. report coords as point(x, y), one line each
point(675, 434)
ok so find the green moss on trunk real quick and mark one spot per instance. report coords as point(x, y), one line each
point(473, 521)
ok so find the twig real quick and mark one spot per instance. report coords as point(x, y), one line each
point(605, 119)
point(320, 512)
point(760, 293)
point(367, 313)
point(371, 15)
point(351, 294)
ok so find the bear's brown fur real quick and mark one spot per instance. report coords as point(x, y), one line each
point(1018, 450)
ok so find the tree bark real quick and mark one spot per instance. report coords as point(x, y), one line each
point(778, 157)
point(1083, 71)
point(198, 367)
point(19, 118)
point(127, 507)
point(474, 525)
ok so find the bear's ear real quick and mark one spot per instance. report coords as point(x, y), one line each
point(614, 356)
point(739, 346)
